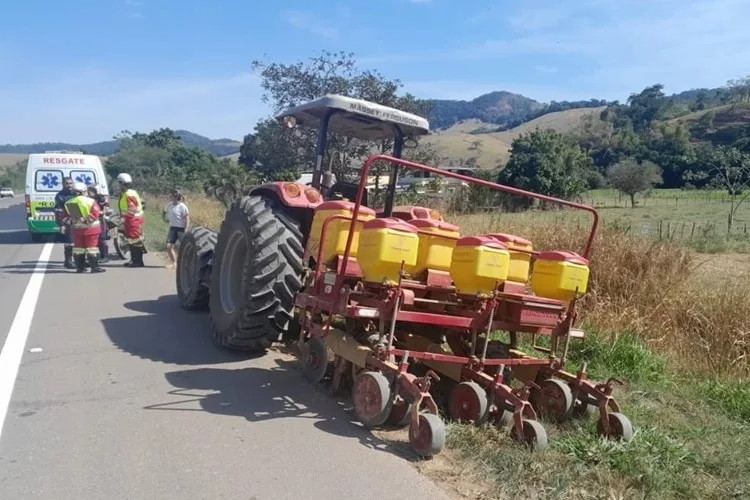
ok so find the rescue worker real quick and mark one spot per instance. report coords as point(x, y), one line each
point(84, 215)
point(131, 215)
point(103, 201)
point(63, 222)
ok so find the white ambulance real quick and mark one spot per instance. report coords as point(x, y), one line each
point(44, 179)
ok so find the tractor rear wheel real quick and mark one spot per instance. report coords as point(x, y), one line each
point(193, 266)
point(257, 270)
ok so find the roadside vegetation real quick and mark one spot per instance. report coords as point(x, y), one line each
point(679, 339)
point(670, 178)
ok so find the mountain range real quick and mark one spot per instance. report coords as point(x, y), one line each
point(218, 147)
point(490, 114)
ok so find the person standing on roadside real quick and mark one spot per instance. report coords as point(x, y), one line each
point(177, 216)
point(84, 212)
point(131, 214)
point(63, 221)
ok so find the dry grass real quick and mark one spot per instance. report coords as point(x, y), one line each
point(637, 286)
point(204, 211)
point(647, 288)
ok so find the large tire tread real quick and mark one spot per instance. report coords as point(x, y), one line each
point(196, 249)
point(272, 274)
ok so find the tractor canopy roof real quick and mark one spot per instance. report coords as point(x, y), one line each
point(357, 118)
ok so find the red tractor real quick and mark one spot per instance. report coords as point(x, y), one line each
point(411, 310)
point(249, 273)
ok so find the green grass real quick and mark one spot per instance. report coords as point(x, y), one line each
point(691, 438)
point(696, 219)
point(155, 228)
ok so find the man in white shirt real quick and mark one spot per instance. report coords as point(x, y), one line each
point(178, 217)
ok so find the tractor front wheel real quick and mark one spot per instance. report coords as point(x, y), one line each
point(256, 272)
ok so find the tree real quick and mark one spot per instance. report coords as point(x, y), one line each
point(273, 153)
point(546, 162)
point(726, 168)
point(228, 182)
point(646, 107)
point(739, 90)
point(631, 177)
point(287, 85)
point(160, 161)
point(15, 176)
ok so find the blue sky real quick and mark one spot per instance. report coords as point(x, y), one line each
point(82, 70)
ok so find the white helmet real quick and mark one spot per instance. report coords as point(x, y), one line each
point(124, 178)
point(79, 187)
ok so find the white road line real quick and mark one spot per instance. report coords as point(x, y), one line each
point(10, 357)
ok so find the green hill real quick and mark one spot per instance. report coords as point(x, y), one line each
point(218, 147)
point(500, 109)
point(490, 149)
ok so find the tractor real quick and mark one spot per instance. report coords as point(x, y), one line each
point(410, 308)
point(248, 274)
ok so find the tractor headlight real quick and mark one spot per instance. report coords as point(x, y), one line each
point(290, 122)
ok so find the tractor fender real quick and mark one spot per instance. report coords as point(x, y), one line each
point(290, 194)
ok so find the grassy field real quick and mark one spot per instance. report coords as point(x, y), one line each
point(678, 338)
point(696, 219)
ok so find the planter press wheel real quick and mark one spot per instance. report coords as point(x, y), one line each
point(620, 427)
point(583, 410)
point(501, 417)
point(468, 402)
point(534, 435)
point(400, 413)
point(554, 400)
point(372, 398)
point(314, 359)
point(356, 370)
point(429, 438)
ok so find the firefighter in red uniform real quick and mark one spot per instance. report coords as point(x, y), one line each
point(131, 214)
point(85, 228)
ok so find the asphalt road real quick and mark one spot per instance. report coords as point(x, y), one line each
point(117, 393)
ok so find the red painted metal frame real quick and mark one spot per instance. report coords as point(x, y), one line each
point(504, 304)
point(277, 189)
point(498, 187)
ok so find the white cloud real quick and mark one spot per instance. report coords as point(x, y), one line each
point(96, 105)
point(620, 46)
point(133, 9)
point(537, 18)
point(309, 22)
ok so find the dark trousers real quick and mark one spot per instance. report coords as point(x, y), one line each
point(103, 246)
